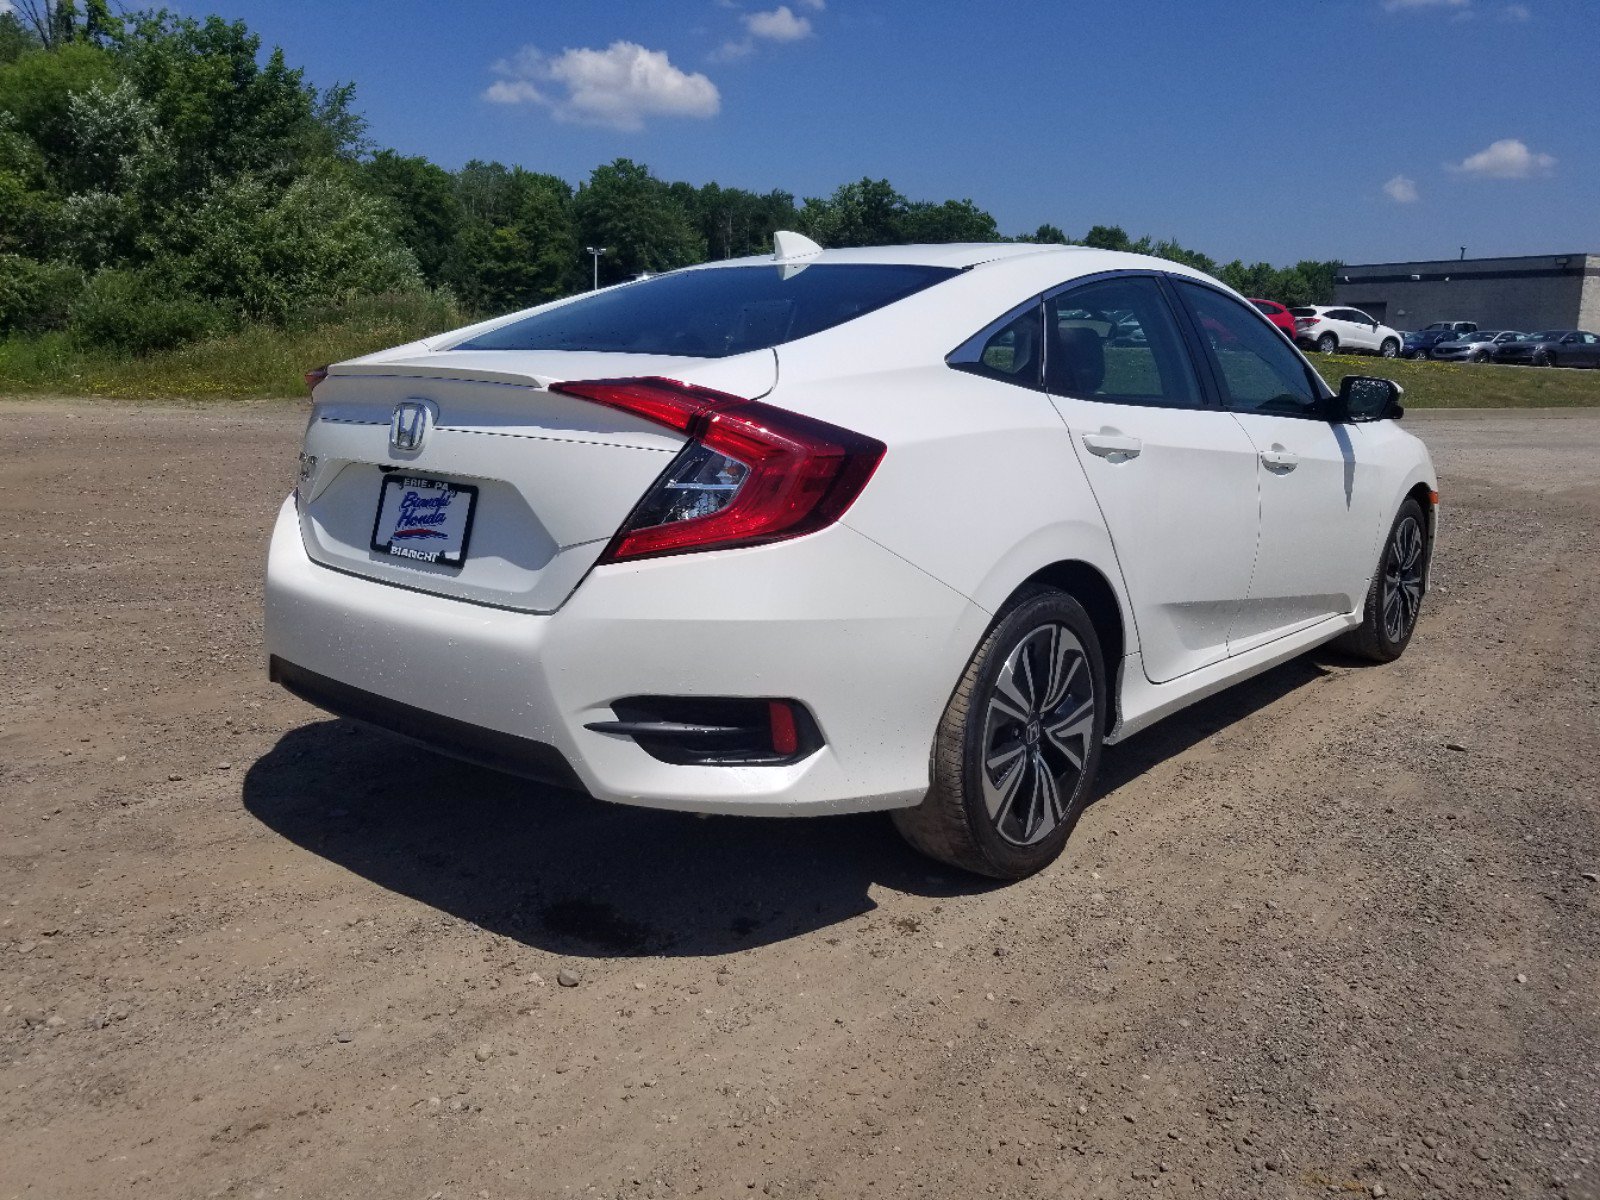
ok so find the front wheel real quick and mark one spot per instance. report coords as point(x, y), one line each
point(1395, 597)
point(1543, 358)
point(1015, 756)
point(1390, 348)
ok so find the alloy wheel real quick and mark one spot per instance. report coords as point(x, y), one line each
point(1389, 349)
point(1037, 735)
point(1327, 343)
point(1402, 580)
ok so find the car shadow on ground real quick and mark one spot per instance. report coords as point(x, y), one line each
point(580, 877)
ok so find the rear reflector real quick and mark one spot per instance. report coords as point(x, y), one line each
point(752, 473)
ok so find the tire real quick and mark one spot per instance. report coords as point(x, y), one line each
point(1327, 343)
point(1543, 358)
point(1395, 597)
point(1390, 348)
point(1006, 791)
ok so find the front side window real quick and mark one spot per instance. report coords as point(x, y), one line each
point(1257, 370)
point(1010, 350)
point(715, 312)
point(1117, 340)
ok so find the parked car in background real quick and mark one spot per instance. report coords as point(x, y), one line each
point(1553, 348)
point(1278, 314)
point(916, 528)
point(1330, 328)
point(1474, 347)
point(1421, 343)
point(1452, 327)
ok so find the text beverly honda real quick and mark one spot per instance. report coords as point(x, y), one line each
point(914, 528)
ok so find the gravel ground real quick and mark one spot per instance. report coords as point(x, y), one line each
point(1332, 932)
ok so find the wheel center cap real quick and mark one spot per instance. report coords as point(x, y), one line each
point(1031, 732)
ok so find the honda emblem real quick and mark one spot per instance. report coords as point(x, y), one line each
point(409, 426)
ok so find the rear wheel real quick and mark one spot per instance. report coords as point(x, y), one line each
point(1015, 756)
point(1390, 348)
point(1327, 343)
point(1395, 597)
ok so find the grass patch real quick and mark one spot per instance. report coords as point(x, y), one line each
point(258, 361)
point(1430, 384)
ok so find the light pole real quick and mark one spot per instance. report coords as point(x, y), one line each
point(596, 252)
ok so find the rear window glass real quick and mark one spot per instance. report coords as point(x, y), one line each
point(1304, 312)
point(717, 312)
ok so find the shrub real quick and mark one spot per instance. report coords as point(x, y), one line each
point(128, 311)
point(36, 296)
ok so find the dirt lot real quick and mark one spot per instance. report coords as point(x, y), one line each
point(1332, 932)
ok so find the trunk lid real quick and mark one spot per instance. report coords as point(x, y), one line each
point(551, 477)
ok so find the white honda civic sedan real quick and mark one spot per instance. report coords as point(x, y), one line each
point(916, 528)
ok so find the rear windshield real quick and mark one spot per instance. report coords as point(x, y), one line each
point(715, 313)
point(1304, 312)
point(1265, 306)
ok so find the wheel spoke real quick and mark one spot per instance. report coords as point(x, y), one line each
point(1005, 756)
point(1008, 698)
point(1000, 794)
point(1077, 724)
point(1048, 800)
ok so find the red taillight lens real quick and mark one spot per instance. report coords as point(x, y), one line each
point(315, 376)
point(752, 473)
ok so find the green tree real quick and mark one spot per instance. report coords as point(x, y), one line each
point(518, 244)
point(1049, 235)
point(427, 213)
point(952, 221)
point(635, 217)
point(866, 213)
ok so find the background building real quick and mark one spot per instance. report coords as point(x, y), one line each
point(1543, 291)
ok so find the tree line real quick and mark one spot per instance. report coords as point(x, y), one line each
point(162, 179)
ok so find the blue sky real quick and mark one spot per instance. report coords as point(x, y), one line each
point(1364, 130)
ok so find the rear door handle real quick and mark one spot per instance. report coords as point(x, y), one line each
point(1280, 460)
point(1108, 444)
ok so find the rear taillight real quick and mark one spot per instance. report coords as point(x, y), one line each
point(315, 376)
point(751, 473)
point(1306, 321)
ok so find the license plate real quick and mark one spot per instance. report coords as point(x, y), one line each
point(424, 520)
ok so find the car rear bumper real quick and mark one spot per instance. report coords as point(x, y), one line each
point(871, 646)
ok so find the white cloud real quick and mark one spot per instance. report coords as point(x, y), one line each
point(814, 5)
point(1506, 159)
point(619, 86)
point(1402, 190)
point(1516, 12)
point(1402, 5)
point(779, 25)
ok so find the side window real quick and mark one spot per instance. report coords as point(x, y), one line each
point(1009, 350)
point(1257, 370)
point(1117, 340)
point(1357, 315)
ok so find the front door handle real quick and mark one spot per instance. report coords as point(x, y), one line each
point(1108, 444)
point(1279, 460)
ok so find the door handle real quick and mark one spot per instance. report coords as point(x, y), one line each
point(1279, 460)
point(1108, 444)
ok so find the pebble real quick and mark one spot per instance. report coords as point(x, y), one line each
point(1521, 978)
point(1379, 1190)
point(343, 1038)
point(1456, 746)
point(1592, 876)
point(534, 978)
point(224, 766)
point(484, 1052)
point(567, 977)
point(174, 777)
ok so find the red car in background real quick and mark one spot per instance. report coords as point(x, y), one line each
point(1278, 315)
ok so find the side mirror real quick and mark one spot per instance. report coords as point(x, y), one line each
point(1365, 398)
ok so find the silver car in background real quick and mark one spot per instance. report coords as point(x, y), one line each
point(1474, 347)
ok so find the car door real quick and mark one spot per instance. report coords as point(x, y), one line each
point(1175, 479)
point(1318, 481)
point(1364, 329)
point(1587, 350)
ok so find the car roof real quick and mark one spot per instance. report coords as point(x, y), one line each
point(961, 255)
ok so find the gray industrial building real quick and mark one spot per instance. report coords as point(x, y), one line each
point(1536, 292)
